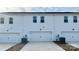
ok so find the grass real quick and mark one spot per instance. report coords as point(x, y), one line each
point(16, 47)
point(66, 46)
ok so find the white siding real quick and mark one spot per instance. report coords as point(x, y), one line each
point(23, 24)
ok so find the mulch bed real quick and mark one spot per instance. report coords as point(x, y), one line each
point(66, 46)
point(17, 47)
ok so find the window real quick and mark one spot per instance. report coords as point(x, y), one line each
point(1, 20)
point(10, 20)
point(75, 19)
point(42, 19)
point(65, 19)
point(34, 19)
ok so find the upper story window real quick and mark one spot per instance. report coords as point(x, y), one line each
point(75, 19)
point(42, 19)
point(65, 19)
point(34, 19)
point(11, 20)
point(1, 20)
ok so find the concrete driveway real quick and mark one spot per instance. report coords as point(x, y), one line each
point(41, 46)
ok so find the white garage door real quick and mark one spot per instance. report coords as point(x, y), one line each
point(9, 37)
point(71, 36)
point(41, 36)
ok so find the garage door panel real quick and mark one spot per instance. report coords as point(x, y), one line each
point(8, 34)
point(9, 37)
point(34, 37)
point(3, 39)
point(46, 36)
point(71, 36)
point(41, 36)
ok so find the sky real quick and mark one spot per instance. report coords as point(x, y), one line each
point(39, 9)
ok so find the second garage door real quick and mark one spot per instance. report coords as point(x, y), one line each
point(71, 35)
point(9, 37)
point(40, 36)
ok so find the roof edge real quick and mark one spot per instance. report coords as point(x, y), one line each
point(41, 12)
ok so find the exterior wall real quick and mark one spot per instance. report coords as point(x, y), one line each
point(15, 28)
point(61, 26)
point(30, 26)
point(23, 24)
point(66, 29)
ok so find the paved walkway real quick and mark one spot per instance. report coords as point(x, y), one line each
point(41, 46)
point(4, 46)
